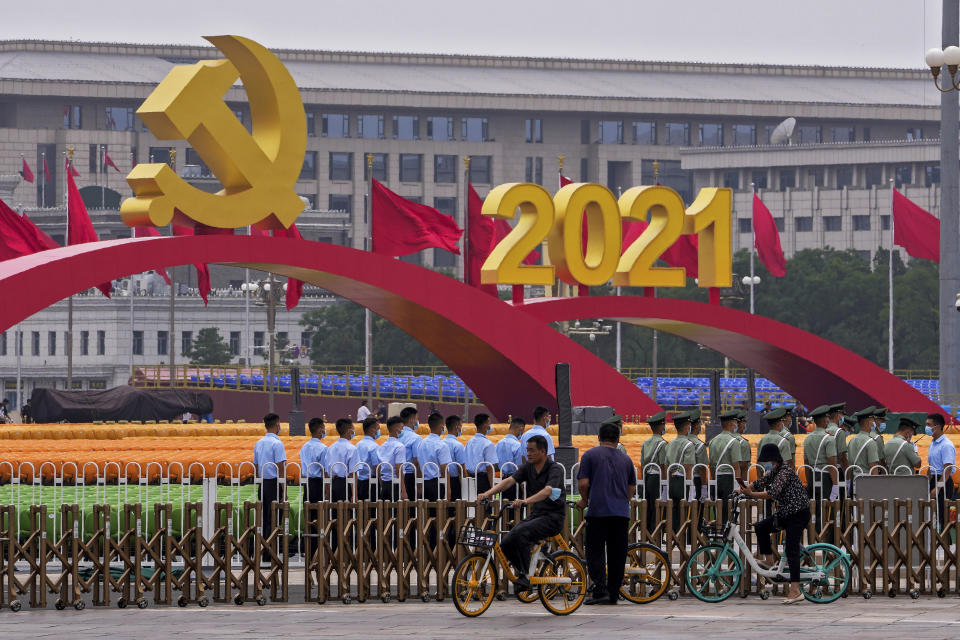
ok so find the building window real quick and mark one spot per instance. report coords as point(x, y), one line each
point(779, 223)
point(804, 223)
point(440, 128)
point(411, 167)
point(35, 343)
point(534, 129)
point(534, 170)
point(138, 343)
point(584, 170)
point(341, 165)
point(584, 132)
point(873, 176)
point(832, 223)
point(866, 134)
point(610, 131)
point(745, 225)
point(914, 133)
point(678, 133)
point(335, 125)
point(84, 343)
point(406, 127)
point(711, 135)
point(160, 155)
point(379, 167)
point(744, 135)
point(474, 130)
point(903, 175)
point(309, 169)
point(768, 130)
point(931, 175)
point(369, 126)
point(258, 338)
point(809, 134)
point(844, 177)
point(788, 179)
point(731, 179)
point(239, 115)
point(861, 223)
point(481, 169)
point(759, 179)
point(235, 343)
point(843, 134)
point(311, 199)
point(306, 340)
point(885, 223)
point(441, 257)
point(3, 343)
point(644, 133)
point(815, 177)
point(283, 336)
point(445, 168)
point(186, 342)
point(341, 202)
point(71, 116)
point(194, 159)
point(101, 343)
point(119, 118)
point(163, 347)
point(311, 124)
point(51, 343)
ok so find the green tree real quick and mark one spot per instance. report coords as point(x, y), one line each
point(209, 348)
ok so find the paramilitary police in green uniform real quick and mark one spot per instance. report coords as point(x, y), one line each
point(835, 428)
point(879, 422)
point(653, 466)
point(745, 451)
point(787, 434)
point(725, 457)
point(617, 421)
point(700, 453)
point(820, 454)
point(774, 436)
point(680, 451)
point(899, 451)
point(861, 450)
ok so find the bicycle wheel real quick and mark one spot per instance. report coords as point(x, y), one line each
point(647, 574)
point(563, 598)
point(713, 573)
point(835, 566)
point(473, 585)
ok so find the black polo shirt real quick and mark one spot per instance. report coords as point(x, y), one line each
point(551, 474)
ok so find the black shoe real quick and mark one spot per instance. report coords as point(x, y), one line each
point(608, 601)
point(597, 598)
point(522, 584)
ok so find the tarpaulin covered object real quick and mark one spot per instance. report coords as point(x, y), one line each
point(119, 403)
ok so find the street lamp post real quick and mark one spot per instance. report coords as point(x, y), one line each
point(268, 293)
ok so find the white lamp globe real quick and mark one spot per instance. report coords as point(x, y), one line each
point(934, 58)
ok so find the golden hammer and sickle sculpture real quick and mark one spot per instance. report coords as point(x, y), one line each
point(258, 170)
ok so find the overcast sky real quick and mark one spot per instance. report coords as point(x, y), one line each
point(883, 33)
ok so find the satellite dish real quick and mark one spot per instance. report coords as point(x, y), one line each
point(782, 132)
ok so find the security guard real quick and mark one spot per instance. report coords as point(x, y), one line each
point(681, 456)
point(433, 456)
point(367, 459)
point(270, 459)
point(481, 454)
point(700, 453)
point(788, 434)
point(773, 436)
point(313, 460)
point(653, 466)
point(457, 454)
point(745, 449)
point(834, 428)
point(725, 457)
point(411, 440)
point(861, 449)
point(879, 423)
point(899, 452)
point(820, 455)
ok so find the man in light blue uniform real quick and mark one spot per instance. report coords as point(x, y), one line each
point(270, 458)
point(481, 454)
point(942, 458)
point(313, 460)
point(509, 454)
point(367, 459)
point(392, 454)
point(411, 440)
point(458, 456)
point(341, 460)
point(433, 456)
point(541, 420)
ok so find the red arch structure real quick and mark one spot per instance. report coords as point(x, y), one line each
point(505, 355)
point(813, 370)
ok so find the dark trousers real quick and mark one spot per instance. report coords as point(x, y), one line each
point(677, 492)
point(366, 490)
point(516, 544)
point(338, 493)
point(651, 493)
point(410, 481)
point(724, 491)
point(389, 491)
point(606, 542)
point(483, 482)
point(313, 493)
point(793, 524)
point(820, 495)
point(431, 490)
point(454, 491)
point(268, 495)
point(941, 499)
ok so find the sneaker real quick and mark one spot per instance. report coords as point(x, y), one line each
point(598, 598)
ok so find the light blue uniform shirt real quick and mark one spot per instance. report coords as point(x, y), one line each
point(508, 453)
point(341, 451)
point(479, 450)
point(313, 458)
point(367, 452)
point(391, 453)
point(268, 449)
point(432, 450)
point(536, 430)
point(411, 441)
point(457, 454)
point(941, 453)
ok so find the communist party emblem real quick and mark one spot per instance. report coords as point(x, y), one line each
point(258, 169)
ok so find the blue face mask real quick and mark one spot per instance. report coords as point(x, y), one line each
point(929, 430)
point(380, 432)
point(768, 466)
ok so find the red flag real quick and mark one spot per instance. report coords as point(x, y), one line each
point(203, 271)
point(261, 233)
point(915, 229)
point(13, 242)
point(26, 172)
point(766, 239)
point(46, 170)
point(79, 227)
point(71, 170)
point(151, 232)
point(402, 227)
point(481, 236)
point(39, 240)
point(107, 162)
point(294, 287)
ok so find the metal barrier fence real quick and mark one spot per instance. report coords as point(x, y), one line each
point(204, 541)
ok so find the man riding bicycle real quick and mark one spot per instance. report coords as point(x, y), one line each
point(543, 479)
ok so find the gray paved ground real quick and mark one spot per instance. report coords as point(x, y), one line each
point(854, 617)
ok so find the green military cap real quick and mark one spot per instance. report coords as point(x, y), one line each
point(776, 414)
point(694, 415)
point(657, 417)
point(733, 414)
point(789, 407)
point(915, 420)
point(869, 412)
point(850, 421)
point(743, 414)
point(617, 420)
point(840, 406)
point(680, 417)
point(881, 412)
point(822, 410)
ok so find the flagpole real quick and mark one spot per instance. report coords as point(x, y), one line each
point(367, 316)
point(43, 190)
point(68, 156)
point(466, 222)
point(133, 234)
point(753, 247)
point(173, 281)
point(17, 336)
point(890, 285)
point(102, 168)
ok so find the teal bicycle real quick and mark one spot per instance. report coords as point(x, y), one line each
point(714, 571)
